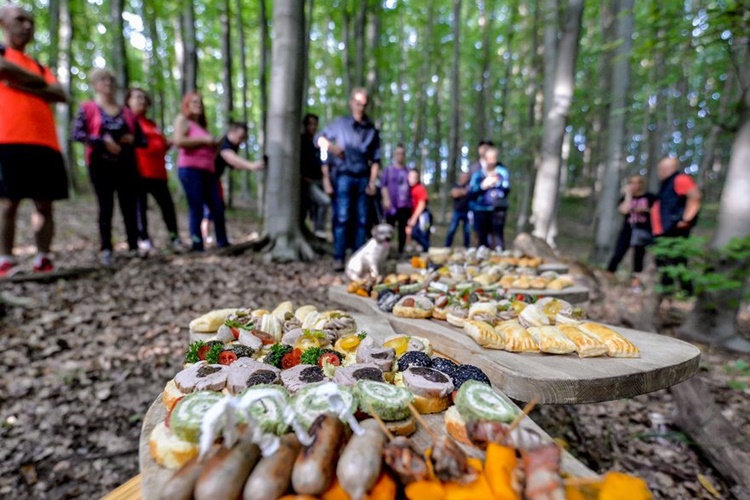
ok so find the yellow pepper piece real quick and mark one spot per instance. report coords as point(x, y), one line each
point(349, 342)
point(399, 344)
point(499, 466)
point(619, 486)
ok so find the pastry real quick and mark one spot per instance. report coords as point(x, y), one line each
point(483, 334)
point(551, 340)
point(517, 339)
point(587, 346)
point(413, 306)
point(617, 345)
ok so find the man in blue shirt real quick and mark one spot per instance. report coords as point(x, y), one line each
point(351, 148)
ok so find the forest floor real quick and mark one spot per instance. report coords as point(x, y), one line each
point(79, 373)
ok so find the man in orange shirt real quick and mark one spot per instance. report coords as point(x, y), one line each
point(31, 165)
point(675, 211)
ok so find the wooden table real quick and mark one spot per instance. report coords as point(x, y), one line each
point(153, 477)
point(555, 379)
point(575, 294)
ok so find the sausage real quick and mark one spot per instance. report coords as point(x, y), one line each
point(361, 461)
point(271, 477)
point(316, 464)
point(225, 473)
point(180, 485)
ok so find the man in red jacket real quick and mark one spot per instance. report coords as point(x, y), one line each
point(29, 150)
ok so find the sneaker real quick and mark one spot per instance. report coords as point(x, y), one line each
point(7, 268)
point(145, 247)
point(44, 265)
point(177, 246)
point(338, 266)
point(105, 257)
point(134, 253)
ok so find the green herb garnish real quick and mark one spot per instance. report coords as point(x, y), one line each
point(236, 323)
point(362, 335)
point(275, 354)
point(212, 356)
point(318, 334)
point(192, 354)
point(311, 356)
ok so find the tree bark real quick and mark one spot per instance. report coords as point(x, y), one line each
point(359, 39)
point(306, 65)
point(287, 242)
point(548, 175)
point(714, 317)
point(373, 43)
point(709, 150)
point(154, 61)
point(346, 37)
point(262, 129)
point(608, 218)
point(724, 445)
point(420, 125)
point(243, 88)
point(228, 90)
point(486, 11)
point(65, 111)
point(453, 146)
point(119, 53)
point(189, 59)
point(505, 129)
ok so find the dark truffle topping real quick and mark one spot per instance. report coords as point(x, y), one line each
point(311, 374)
point(261, 377)
point(430, 374)
point(469, 372)
point(368, 373)
point(413, 358)
point(205, 371)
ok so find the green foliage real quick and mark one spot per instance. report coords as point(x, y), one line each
point(702, 268)
point(740, 372)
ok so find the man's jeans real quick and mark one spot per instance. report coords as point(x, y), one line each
point(350, 211)
point(458, 218)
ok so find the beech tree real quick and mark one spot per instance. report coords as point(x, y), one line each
point(546, 186)
point(283, 229)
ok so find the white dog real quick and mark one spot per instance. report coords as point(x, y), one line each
point(368, 261)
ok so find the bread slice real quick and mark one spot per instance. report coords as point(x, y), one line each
point(456, 426)
point(171, 395)
point(168, 450)
point(405, 427)
point(211, 321)
point(426, 405)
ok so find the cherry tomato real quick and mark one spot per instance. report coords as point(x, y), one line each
point(291, 359)
point(235, 332)
point(227, 358)
point(203, 351)
point(264, 337)
point(520, 297)
point(330, 357)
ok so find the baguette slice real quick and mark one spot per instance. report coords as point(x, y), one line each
point(587, 345)
point(517, 339)
point(617, 345)
point(168, 450)
point(551, 340)
point(211, 321)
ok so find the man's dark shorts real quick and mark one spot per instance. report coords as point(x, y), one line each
point(32, 171)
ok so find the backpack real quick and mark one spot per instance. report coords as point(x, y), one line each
point(94, 122)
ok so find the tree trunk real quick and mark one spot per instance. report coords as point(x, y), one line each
point(243, 92)
point(155, 62)
point(65, 111)
point(287, 242)
point(189, 56)
point(373, 43)
point(359, 39)
point(532, 91)
point(486, 12)
point(548, 175)
point(228, 90)
point(306, 64)
point(453, 146)
point(505, 129)
point(262, 129)
point(119, 53)
point(709, 151)
point(346, 37)
point(714, 317)
point(420, 126)
point(609, 218)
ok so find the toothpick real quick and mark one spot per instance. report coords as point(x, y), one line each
point(382, 425)
point(422, 422)
point(581, 481)
point(524, 413)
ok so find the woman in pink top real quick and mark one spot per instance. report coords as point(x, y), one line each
point(195, 162)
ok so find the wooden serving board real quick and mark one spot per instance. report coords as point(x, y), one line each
point(575, 294)
point(558, 267)
point(153, 476)
point(554, 379)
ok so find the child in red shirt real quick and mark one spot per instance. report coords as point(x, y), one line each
point(418, 226)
